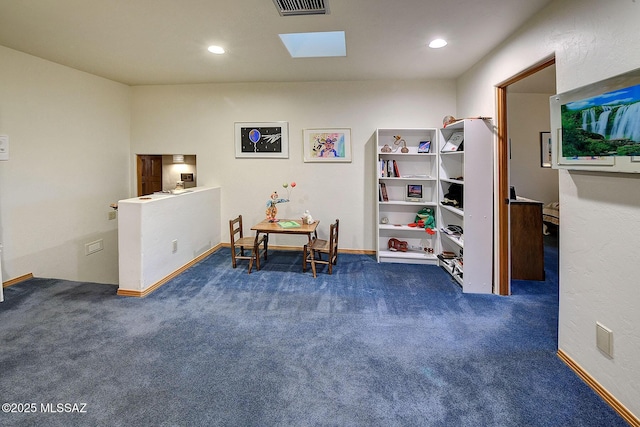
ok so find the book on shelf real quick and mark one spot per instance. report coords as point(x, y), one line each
point(389, 169)
point(454, 143)
point(384, 197)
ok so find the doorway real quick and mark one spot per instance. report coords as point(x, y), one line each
point(165, 173)
point(503, 183)
point(149, 174)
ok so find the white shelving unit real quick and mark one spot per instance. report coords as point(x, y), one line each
point(472, 169)
point(394, 216)
point(1, 291)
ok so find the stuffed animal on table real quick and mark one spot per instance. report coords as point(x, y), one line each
point(307, 218)
point(272, 210)
point(426, 219)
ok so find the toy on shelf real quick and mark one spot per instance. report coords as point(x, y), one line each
point(425, 218)
point(395, 245)
point(398, 141)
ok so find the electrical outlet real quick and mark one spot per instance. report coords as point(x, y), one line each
point(112, 215)
point(93, 247)
point(174, 244)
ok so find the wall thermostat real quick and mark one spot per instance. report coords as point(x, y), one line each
point(4, 147)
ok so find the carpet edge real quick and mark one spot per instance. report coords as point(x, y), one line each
point(611, 400)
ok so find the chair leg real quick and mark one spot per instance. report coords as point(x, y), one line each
point(233, 256)
point(250, 265)
point(304, 258)
point(313, 263)
point(332, 261)
point(256, 254)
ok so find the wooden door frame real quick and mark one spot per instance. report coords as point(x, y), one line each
point(139, 174)
point(504, 275)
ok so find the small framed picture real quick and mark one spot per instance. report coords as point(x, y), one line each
point(327, 145)
point(545, 149)
point(424, 146)
point(414, 193)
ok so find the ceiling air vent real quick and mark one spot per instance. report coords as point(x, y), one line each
point(302, 7)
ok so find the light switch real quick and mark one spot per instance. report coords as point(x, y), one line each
point(604, 339)
point(4, 147)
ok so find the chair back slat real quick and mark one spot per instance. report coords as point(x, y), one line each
point(235, 229)
point(333, 236)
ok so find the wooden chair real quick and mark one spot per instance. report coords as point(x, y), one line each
point(314, 250)
point(240, 244)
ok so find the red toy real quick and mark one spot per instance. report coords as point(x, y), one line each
point(397, 245)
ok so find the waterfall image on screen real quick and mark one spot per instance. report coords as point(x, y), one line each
point(603, 125)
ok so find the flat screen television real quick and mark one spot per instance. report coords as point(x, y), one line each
point(597, 127)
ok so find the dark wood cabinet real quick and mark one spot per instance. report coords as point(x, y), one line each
point(527, 246)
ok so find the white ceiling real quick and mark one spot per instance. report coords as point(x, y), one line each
point(139, 42)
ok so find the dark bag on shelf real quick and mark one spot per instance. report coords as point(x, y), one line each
point(454, 196)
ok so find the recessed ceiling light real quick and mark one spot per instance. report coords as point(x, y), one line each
point(216, 49)
point(437, 43)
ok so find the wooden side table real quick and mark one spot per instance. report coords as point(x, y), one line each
point(527, 247)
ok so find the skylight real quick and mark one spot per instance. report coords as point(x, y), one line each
point(315, 45)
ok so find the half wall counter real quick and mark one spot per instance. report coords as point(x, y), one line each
point(162, 234)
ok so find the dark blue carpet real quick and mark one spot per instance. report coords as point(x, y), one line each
point(371, 345)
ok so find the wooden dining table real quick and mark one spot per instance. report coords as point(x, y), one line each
point(266, 227)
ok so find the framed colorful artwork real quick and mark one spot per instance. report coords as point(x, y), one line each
point(327, 145)
point(597, 127)
point(262, 139)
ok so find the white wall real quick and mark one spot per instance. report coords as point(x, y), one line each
point(199, 119)
point(159, 236)
point(528, 115)
point(69, 150)
point(600, 219)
